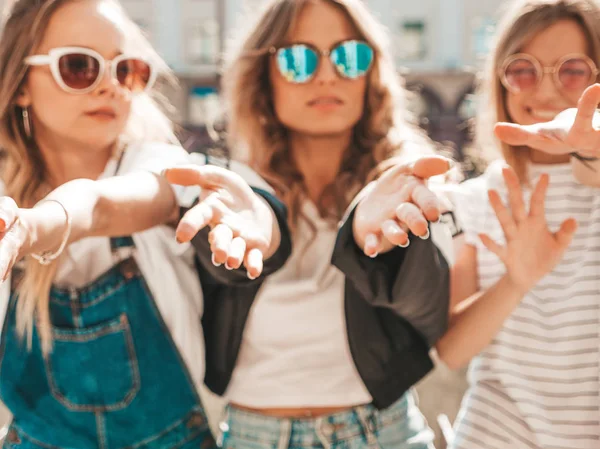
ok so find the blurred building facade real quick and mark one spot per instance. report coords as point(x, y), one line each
point(438, 45)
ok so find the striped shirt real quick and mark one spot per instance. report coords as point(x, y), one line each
point(537, 384)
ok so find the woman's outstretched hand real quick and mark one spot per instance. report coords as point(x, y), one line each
point(532, 250)
point(574, 130)
point(397, 203)
point(243, 226)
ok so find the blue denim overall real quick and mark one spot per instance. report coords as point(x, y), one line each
point(114, 378)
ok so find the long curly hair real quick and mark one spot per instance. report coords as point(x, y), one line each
point(257, 137)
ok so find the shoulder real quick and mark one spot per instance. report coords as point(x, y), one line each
point(152, 156)
point(244, 170)
point(475, 189)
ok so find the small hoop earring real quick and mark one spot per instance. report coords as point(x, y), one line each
point(26, 121)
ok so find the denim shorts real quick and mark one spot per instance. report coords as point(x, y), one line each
point(400, 426)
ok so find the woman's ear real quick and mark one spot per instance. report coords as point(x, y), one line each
point(23, 98)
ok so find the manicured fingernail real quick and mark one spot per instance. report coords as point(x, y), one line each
point(214, 261)
point(227, 266)
point(404, 245)
point(371, 240)
point(251, 277)
point(374, 255)
point(426, 236)
point(164, 172)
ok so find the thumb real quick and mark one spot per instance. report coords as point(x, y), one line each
point(511, 133)
point(207, 177)
point(429, 166)
point(565, 234)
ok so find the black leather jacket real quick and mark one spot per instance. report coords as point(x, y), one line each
point(396, 308)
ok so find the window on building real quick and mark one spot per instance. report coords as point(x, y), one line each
point(203, 42)
point(411, 43)
point(204, 105)
point(484, 29)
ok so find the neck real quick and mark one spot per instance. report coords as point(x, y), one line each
point(318, 159)
point(66, 160)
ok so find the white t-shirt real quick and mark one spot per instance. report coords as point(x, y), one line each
point(537, 384)
point(295, 350)
point(167, 266)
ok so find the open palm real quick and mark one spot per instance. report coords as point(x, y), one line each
point(397, 202)
point(573, 130)
point(241, 223)
point(531, 250)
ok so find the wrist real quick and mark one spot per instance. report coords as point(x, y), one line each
point(275, 231)
point(358, 239)
point(25, 226)
point(48, 227)
point(586, 172)
point(518, 288)
point(585, 160)
point(354, 211)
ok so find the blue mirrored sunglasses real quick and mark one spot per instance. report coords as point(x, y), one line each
point(298, 63)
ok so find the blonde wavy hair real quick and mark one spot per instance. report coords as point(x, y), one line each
point(521, 22)
point(24, 171)
point(258, 138)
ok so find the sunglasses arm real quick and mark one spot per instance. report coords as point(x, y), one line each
point(38, 60)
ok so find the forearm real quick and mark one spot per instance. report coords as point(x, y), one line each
point(112, 207)
point(474, 327)
point(586, 172)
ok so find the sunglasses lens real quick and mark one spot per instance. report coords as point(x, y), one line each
point(521, 74)
point(297, 63)
point(575, 74)
point(352, 59)
point(133, 74)
point(78, 71)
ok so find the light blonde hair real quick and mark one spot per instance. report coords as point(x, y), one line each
point(24, 172)
point(256, 136)
point(521, 22)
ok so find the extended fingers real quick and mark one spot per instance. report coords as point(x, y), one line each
point(254, 263)
point(427, 201)
point(509, 227)
point(413, 217)
point(194, 220)
point(394, 233)
point(220, 239)
point(515, 194)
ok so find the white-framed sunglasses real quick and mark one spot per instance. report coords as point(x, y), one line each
point(79, 70)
